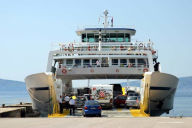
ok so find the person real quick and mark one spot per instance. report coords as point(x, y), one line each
point(61, 104)
point(72, 106)
point(66, 99)
point(156, 67)
point(155, 60)
point(98, 63)
point(121, 47)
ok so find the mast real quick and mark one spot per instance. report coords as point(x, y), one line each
point(106, 17)
point(105, 26)
point(100, 36)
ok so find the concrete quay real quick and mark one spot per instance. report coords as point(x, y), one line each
point(17, 110)
point(12, 112)
point(93, 122)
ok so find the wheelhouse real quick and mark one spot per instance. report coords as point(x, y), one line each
point(107, 34)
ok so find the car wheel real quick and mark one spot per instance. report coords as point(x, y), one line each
point(99, 115)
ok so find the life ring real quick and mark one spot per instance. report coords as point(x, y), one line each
point(117, 70)
point(145, 70)
point(91, 70)
point(64, 71)
point(141, 45)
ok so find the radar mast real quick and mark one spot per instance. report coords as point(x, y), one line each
point(106, 17)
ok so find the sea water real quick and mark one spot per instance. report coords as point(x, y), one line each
point(13, 95)
point(182, 107)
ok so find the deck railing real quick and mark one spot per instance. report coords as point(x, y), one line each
point(130, 65)
point(103, 46)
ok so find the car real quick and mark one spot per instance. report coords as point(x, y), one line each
point(88, 96)
point(92, 107)
point(133, 94)
point(133, 101)
point(80, 101)
point(120, 100)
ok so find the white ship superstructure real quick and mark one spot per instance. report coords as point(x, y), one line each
point(103, 53)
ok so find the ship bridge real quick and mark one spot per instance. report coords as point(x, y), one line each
point(107, 34)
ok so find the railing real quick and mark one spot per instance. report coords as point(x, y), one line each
point(130, 65)
point(109, 46)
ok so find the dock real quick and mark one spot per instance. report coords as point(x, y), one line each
point(17, 110)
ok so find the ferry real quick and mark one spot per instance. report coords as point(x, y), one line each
point(106, 52)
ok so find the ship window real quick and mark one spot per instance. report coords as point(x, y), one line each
point(96, 36)
point(90, 37)
point(113, 37)
point(86, 62)
point(94, 61)
point(69, 62)
point(78, 62)
point(131, 63)
point(123, 62)
point(114, 61)
point(105, 37)
point(120, 37)
point(127, 37)
point(141, 62)
point(84, 38)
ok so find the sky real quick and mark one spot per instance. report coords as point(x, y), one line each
point(29, 27)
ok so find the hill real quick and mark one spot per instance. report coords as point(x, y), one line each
point(11, 85)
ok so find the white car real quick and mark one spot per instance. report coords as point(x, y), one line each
point(133, 101)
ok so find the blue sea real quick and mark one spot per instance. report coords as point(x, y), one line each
point(15, 93)
point(182, 107)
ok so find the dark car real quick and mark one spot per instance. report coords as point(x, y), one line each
point(120, 100)
point(92, 107)
point(80, 101)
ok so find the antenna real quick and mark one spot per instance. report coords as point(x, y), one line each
point(106, 17)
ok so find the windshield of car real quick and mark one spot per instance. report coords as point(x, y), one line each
point(81, 98)
point(122, 97)
point(91, 102)
point(133, 94)
point(132, 98)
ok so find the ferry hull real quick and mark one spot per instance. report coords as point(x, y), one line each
point(159, 92)
point(38, 87)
